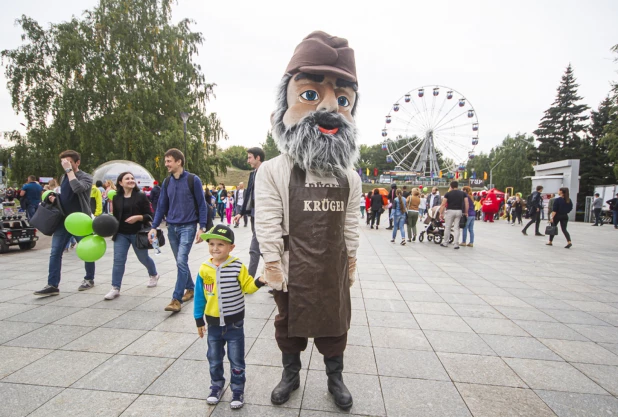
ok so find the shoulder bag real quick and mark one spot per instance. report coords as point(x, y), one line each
point(141, 238)
point(48, 216)
point(551, 230)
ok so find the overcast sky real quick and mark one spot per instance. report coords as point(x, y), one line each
point(506, 58)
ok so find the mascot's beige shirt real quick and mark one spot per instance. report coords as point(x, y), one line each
point(272, 206)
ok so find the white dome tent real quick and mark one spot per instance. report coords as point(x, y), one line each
point(110, 171)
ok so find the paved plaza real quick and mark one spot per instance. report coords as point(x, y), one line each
point(510, 327)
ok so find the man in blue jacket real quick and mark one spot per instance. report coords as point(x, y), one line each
point(184, 207)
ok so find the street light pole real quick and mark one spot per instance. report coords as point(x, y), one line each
point(491, 173)
point(185, 116)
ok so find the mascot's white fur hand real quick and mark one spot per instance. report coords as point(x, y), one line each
point(273, 274)
point(352, 269)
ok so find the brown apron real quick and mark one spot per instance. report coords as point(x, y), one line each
point(318, 282)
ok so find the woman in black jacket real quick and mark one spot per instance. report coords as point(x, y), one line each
point(132, 210)
point(377, 206)
point(560, 214)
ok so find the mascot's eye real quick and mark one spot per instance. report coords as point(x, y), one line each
point(343, 101)
point(310, 95)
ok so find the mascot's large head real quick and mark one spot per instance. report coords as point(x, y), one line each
point(316, 102)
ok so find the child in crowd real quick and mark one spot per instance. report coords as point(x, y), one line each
point(229, 207)
point(223, 274)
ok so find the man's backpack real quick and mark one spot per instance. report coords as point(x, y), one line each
point(191, 183)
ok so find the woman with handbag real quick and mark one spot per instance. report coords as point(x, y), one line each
point(413, 206)
point(399, 216)
point(132, 209)
point(468, 227)
point(560, 214)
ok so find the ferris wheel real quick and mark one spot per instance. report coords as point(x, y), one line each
point(431, 130)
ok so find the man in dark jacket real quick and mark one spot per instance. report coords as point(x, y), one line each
point(154, 196)
point(75, 189)
point(613, 203)
point(534, 209)
point(255, 157)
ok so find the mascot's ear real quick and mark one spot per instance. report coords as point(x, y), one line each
point(272, 119)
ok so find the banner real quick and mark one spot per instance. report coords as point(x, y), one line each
point(476, 182)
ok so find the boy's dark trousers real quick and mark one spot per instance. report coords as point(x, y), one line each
point(234, 335)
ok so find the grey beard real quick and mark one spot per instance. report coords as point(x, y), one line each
point(314, 151)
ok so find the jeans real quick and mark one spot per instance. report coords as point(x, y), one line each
point(534, 218)
point(597, 217)
point(60, 238)
point(31, 209)
point(121, 248)
point(469, 227)
point(412, 220)
point(362, 209)
point(451, 218)
point(254, 251)
point(221, 210)
point(234, 335)
point(181, 238)
point(399, 222)
point(421, 212)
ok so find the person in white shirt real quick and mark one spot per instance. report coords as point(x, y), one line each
point(239, 198)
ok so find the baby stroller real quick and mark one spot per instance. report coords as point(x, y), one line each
point(434, 229)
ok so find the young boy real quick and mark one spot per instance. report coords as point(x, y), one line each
point(219, 289)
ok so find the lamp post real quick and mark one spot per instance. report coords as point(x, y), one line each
point(491, 174)
point(185, 116)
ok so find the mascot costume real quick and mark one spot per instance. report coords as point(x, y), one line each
point(307, 209)
point(491, 206)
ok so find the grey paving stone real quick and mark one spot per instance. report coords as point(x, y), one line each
point(595, 306)
point(50, 337)
point(457, 342)
point(491, 401)
point(409, 364)
point(132, 374)
point(266, 352)
point(257, 328)
point(124, 302)
point(463, 299)
point(442, 323)
point(612, 347)
point(155, 406)
point(569, 404)
point(506, 301)
point(89, 317)
point(365, 390)
point(359, 336)
point(44, 314)
point(377, 285)
point(136, 320)
point(550, 330)
point(520, 347)
point(431, 297)
point(382, 294)
point(421, 398)
point(574, 317)
point(80, 299)
point(185, 379)
point(390, 337)
point(479, 311)
point(15, 358)
point(551, 303)
point(78, 403)
point(584, 352)
point(431, 308)
point(604, 319)
point(59, 368)
point(162, 344)
point(356, 360)
point(17, 400)
point(495, 326)
point(604, 334)
point(394, 306)
point(554, 376)
point(10, 330)
point(528, 313)
point(105, 340)
point(479, 369)
point(259, 311)
point(249, 410)
point(604, 375)
point(177, 323)
point(388, 319)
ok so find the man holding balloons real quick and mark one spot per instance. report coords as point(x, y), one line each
point(74, 197)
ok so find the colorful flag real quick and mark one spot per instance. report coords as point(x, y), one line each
point(375, 172)
point(484, 175)
point(440, 174)
point(465, 175)
point(367, 171)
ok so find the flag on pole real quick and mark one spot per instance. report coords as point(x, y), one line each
point(484, 175)
point(367, 171)
point(375, 172)
point(440, 174)
point(457, 175)
point(465, 175)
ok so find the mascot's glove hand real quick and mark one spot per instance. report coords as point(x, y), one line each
point(352, 269)
point(273, 274)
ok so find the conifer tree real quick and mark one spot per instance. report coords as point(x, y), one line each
point(563, 126)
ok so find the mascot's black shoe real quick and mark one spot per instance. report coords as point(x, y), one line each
point(290, 379)
point(341, 394)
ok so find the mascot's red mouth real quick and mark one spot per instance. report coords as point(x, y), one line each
point(328, 131)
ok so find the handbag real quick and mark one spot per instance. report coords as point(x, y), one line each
point(462, 221)
point(48, 217)
point(551, 230)
point(141, 238)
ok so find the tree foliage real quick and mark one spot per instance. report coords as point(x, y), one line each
point(111, 85)
point(270, 147)
point(610, 130)
point(237, 155)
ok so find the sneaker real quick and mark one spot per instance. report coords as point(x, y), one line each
point(152, 282)
point(47, 291)
point(215, 395)
point(174, 306)
point(443, 245)
point(463, 244)
point(113, 293)
point(86, 285)
point(188, 295)
point(470, 245)
point(237, 400)
point(524, 233)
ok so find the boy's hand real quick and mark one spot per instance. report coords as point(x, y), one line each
point(273, 274)
point(262, 280)
point(201, 331)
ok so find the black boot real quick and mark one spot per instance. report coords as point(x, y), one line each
point(341, 394)
point(290, 379)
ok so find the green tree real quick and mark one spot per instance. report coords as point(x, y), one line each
point(514, 153)
point(563, 127)
point(111, 85)
point(237, 155)
point(270, 147)
point(372, 156)
point(610, 130)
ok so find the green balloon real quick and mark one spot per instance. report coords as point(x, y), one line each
point(111, 194)
point(45, 194)
point(91, 248)
point(78, 224)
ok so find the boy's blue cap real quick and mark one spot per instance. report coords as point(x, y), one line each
point(219, 232)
